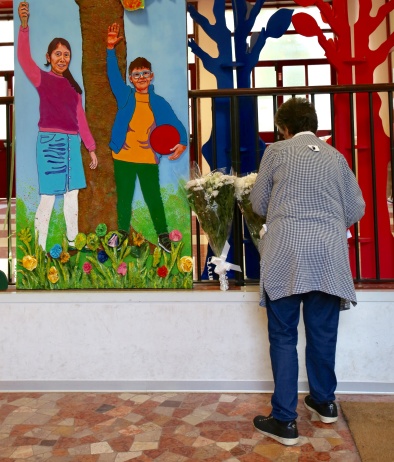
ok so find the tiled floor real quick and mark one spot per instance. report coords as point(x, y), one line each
point(162, 427)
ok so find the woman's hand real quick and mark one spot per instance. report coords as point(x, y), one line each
point(113, 36)
point(94, 161)
point(24, 13)
point(178, 151)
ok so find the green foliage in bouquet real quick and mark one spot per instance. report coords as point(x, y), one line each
point(254, 222)
point(211, 197)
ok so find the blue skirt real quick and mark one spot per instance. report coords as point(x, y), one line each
point(59, 163)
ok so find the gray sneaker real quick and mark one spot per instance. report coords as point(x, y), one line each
point(164, 242)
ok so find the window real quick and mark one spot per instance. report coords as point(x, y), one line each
point(6, 68)
point(291, 60)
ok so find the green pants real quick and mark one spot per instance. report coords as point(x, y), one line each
point(126, 174)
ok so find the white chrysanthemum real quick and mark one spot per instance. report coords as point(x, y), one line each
point(228, 179)
point(244, 185)
point(190, 184)
point(250, 180)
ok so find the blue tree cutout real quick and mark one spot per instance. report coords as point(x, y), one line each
point(222, 66)
point(217, 150)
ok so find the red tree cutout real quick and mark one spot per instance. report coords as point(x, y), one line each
point(364, 61)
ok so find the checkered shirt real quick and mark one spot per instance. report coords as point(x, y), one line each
point(310, 197)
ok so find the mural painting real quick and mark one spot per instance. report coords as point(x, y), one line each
point(101, 150)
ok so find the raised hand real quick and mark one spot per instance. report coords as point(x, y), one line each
point(24, 13)
point(113, 36)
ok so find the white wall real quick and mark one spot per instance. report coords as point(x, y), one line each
point(173, 340)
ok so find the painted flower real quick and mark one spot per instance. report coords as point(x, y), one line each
point(29, 262)
point(162, 271)
point(64, 257)
point(102, 257)
point(53, 275)
point(186, 264)
point(56, 251)
point(87, 267)
point(112, 239)
point(92, 241)
point(101, 230)
point(138, 239)
point(80, 241)
point(135, 251)
point(175, 235)
point(122, 269)
point(132, 5)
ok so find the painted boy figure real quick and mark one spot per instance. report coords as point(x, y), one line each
point(140, 110)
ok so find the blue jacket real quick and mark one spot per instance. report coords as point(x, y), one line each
point(125, 99)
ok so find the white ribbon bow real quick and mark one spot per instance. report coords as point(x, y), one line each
point(221, 264)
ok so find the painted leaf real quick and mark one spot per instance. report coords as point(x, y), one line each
point(279, 22)
point(305, 25)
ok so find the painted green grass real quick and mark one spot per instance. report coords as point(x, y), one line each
point(129, 265)
point(177, 215)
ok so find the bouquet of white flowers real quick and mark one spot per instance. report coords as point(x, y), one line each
point(254, 222)
point(212, 199)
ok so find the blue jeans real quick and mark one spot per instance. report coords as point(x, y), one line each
point(321, 317)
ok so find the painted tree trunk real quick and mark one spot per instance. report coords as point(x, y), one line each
point(97, 202)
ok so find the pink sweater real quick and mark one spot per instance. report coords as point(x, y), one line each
point(61, 107)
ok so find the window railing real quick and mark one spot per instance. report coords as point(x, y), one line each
point(361, 128)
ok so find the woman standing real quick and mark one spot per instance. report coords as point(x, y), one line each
point(61, 125)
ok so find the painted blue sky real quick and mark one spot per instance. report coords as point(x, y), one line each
point(157, 32)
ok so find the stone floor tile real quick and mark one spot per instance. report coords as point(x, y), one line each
point(124, 456)
point(143, 446)
point(162, 427)
point(100, 448)
point(22, 452)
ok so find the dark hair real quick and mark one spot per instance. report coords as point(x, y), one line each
point(138, 63)
point(67, 74)
point(297, 115)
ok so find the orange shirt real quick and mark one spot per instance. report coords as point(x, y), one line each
point(136, 147)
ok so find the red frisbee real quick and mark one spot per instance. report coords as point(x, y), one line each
point(163, 138)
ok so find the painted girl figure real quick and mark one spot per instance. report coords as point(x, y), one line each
point(61, 125)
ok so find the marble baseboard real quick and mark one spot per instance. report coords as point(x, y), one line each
point(181, 386)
